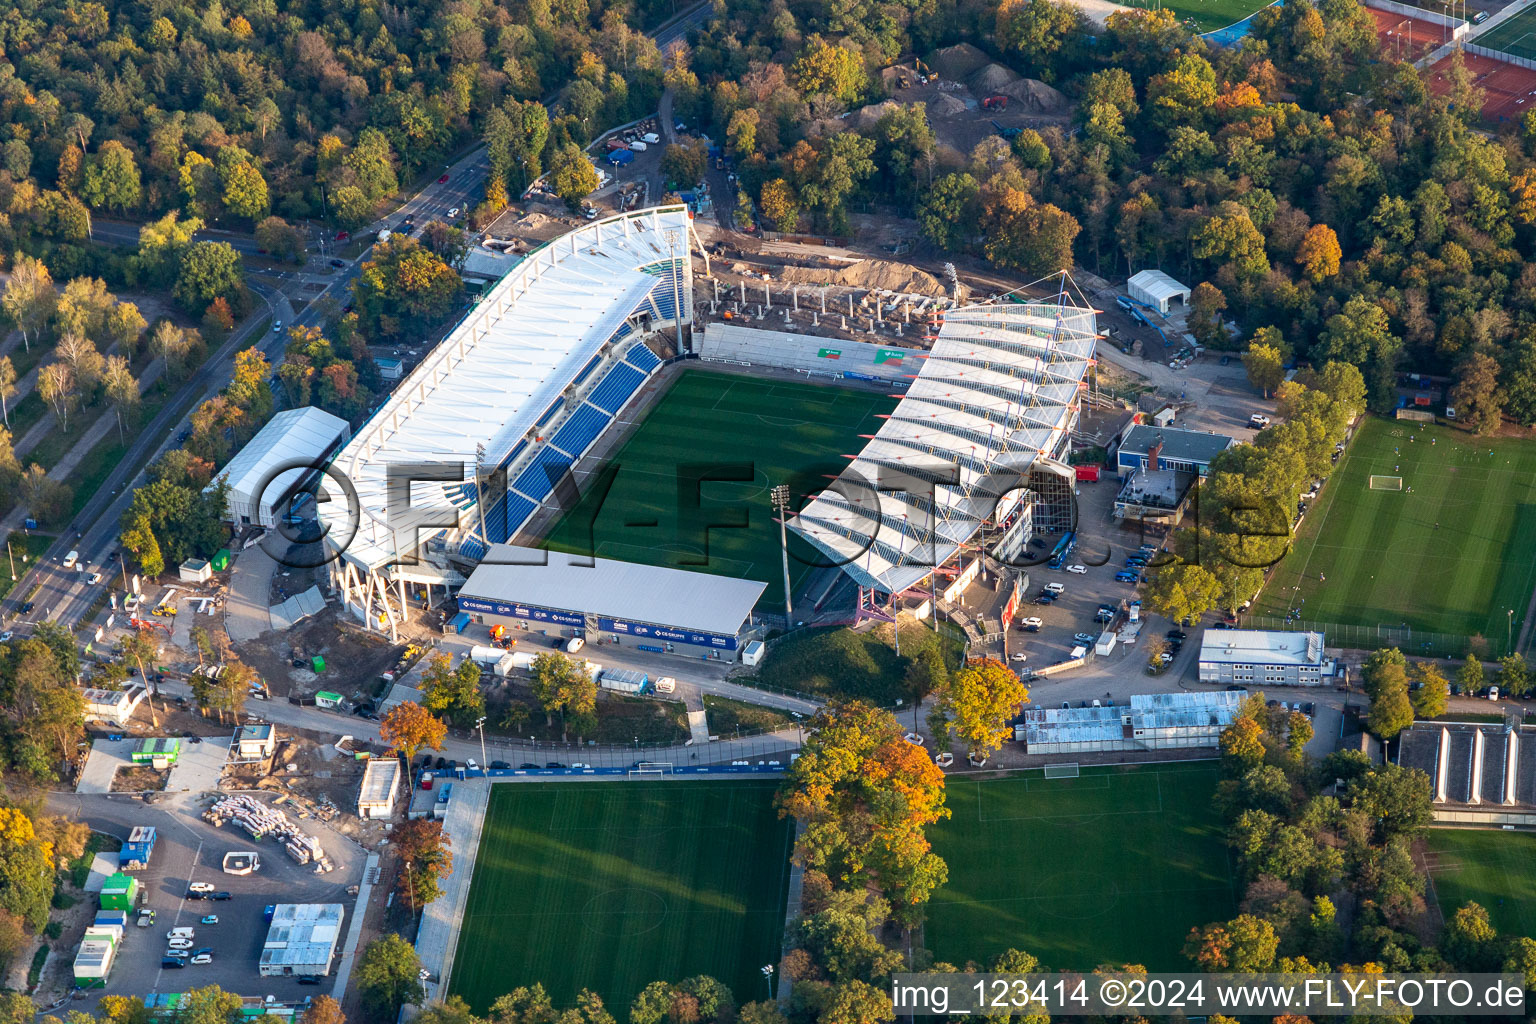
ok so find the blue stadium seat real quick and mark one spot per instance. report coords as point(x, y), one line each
point(615, 389)
point(643, 358)
point(580, 430)
point(471, 549)
point(666, 309)
point(585, 370)
point(496, 520)
point(517, 450)
point(542, 473)
point(518, 511)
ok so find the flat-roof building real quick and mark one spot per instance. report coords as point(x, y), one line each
point(277, 461)
point(255, 742)
point(1169, 449)
point(655, 607)
point(112, 706)
point(1257, 656)
point(302, 939)
point(1478, 774)
point(381, 784)
point(1151, 721)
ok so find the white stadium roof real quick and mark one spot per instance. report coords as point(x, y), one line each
point(493, 380)
point(994, 394)
point(620, 590)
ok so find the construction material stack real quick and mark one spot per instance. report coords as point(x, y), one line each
point(259, 821)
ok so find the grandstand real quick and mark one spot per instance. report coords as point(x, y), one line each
point(488, 425)
point(980, 434)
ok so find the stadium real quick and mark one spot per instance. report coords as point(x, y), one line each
point(485, 452)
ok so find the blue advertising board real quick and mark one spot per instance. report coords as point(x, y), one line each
point(624, 627)
point(533, 613)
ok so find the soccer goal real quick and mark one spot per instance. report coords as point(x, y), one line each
point(652, 768)
point(1061, 771)
point(1386, 483)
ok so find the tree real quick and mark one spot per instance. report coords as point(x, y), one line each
point(1360, 334)
point(323, 1010)
point(948, 213)
point(423, 848)
point(1514, 675)
point(1431, 691)
point(780, 204)
point(1397, 800)
point(1206, 305)
point(1245, 944)
point(121, 389)
point(564, 686)
point(572, 176)
point(1182, 590)
point(1385, 679)
point(836, 71)
point(1045, 35)
point(1022, 234)
point(1476, 395)
point(1265, 366)
point(408, 727)
point(112, 178)
point(280, 239)
point(29, 299)
point(7, 387)
point(1470, 676)
point(453, 693)
point(685, 164)
point(979, 699)
point(209, 270)
point(1229, 239)
point(1470, 941)
point(403, 282)
point(1242, 746)
point(1319, 253)
point(388, 976)
point(56, 385)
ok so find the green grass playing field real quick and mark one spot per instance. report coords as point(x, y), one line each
point(1209, 15)
point(1115, 866)
point(1491, 867)
point(1516, 36)
point(1385, 560)
point(611, 886)
point(772, 431)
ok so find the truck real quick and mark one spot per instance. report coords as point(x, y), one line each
point(1106, 643)
point(137, 850)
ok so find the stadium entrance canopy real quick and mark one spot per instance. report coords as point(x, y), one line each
point(995, 398)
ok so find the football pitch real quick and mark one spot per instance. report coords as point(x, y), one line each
point(1451, 556)
point(1516, 36)
point(690, 488)
point(1115, 866)
point(610, 886)
point(1493, 868)
point(1208, 15)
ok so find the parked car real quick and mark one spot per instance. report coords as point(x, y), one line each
point(553, 764)
point(200, 887)
point(1258, 421)
point(1055, 588)
point(1077, 569)
point(1019, 656)
point(180, 943)
point(170, 962)
point(1032, 624)
point(338, 264)
point(210, 919)
point(1176, 634)
point(471, 765)
point(310, 979)
point(527, 766)
point(499, 765)
point(221, 895)
point(1084, 638)
point(203, 958)
point(443, 180)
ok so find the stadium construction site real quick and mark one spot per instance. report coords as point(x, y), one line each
point(960, 417)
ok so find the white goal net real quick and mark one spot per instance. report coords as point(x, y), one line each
point(1386, 483)
point(1061, 771)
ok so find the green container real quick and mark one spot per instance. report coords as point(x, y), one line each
point(317, 663)
point(119, 892)
point(220, 561)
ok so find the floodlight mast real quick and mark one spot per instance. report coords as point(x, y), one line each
point(780, 498)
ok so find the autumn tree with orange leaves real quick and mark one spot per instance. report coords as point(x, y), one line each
point(864, 795)
point(408, 727)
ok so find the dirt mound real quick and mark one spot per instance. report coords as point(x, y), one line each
point(946, 104)
point(872, 274)
point(1035, 96)
point(958, 62)
point(865, 117)
point(538, 226)
point(991, 79)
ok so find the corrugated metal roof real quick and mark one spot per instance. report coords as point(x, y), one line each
point(621, 590)
point(1261, 647)
point(293, 434)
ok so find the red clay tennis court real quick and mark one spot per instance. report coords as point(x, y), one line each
point(1407, 38)
point(1508, 90)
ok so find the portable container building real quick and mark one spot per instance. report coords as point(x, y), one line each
point(138, 848)
point(623, 680)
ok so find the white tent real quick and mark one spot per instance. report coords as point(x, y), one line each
point(1156, 288)
point(276, 459)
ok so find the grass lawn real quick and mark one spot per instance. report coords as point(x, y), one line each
point(1208, 15)
point(837, 661)
point(611, 886)
point(726, 716)
point(1516, 36)
point(1386, 560)
point(1494, 868)
point(770, 432)
point(33, 545)
point(1115, 866)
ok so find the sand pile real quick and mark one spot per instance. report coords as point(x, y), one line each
point(537, 225)
point(991, 79)
point(1035, 96)
point(865, 117)
point(872, 274)
point(958, 62)
point(946, 104)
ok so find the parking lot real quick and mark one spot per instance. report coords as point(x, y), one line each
point(190, 850)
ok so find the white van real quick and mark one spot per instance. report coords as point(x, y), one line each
point(1055, 588)
point(666, 684)
point(574, 644)
point(70, 559)
point(651, 138)
point(637, 146)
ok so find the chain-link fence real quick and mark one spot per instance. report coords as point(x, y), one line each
point(1404, 638)
point(748, 747)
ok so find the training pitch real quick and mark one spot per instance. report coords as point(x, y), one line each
point(1208, 15)
point(1496, 869)
point(1386, 560)
point(743, 436)
point(610, 886)
point(1115, 866)
point(1517, 36)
